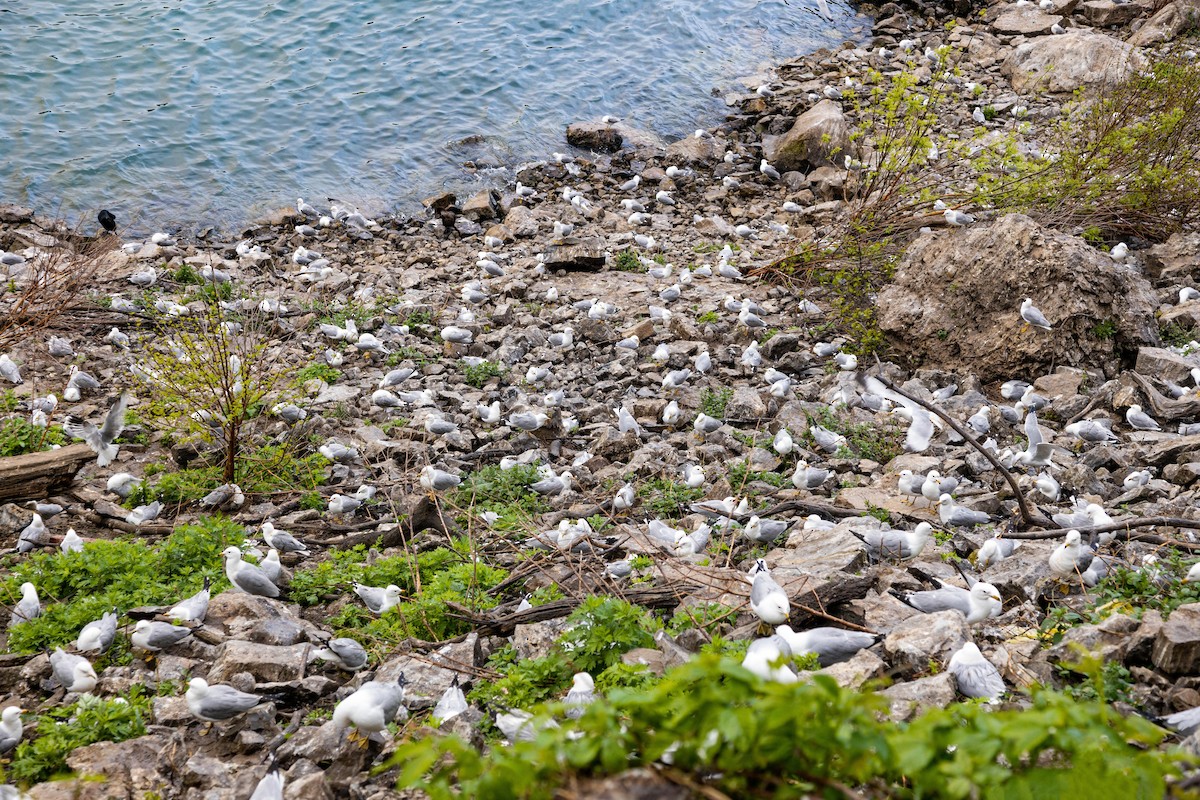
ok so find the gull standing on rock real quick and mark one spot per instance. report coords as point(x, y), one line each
point(975, 675)
point(1140, 420)
point(978, 603)
point(192, 609)
point(155, 636)
point(371, 707)
point(1033, 315)
point(345, 652)
point(218, 702)
point(896, 544)
point(75, 673)
point(768, 600)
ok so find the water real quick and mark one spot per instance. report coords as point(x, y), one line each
point(210, 111)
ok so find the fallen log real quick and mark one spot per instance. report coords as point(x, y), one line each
point(36, 476)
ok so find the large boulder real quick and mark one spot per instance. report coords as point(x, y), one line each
point(956, 299)
point(1078, 58)
point(1025, 21)
point(819, 138)
point(1170, 21)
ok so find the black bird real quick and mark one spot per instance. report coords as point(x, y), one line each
point(108, 220)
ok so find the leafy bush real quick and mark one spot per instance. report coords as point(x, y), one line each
point(318, 371)
point(602, 629)
point(479, 374)
point(725, 727)
point(878, 442)
point(666, 498)
point(503, 491)
point(265, 469)
point(79, 587)
point(86, 721)
point(19, 436)
point(346, 567)
point(714, 401)
point(627, 261)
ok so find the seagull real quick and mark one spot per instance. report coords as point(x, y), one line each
point(155, 636)
point(247, 577)
point(693, 475)
point(377, 600)
point(768, 600)
point(959, 516)
point(75, 673)
point(956, 218)
point(1091, 430)
point(9, 370)
point(270, 787)
point(27, 608)
point(896, 544)
point(975, 675)
point(769, 171)
point(554, 484)
point(436, 480)
point(98, 634)
point(33, 535)
point(372, 706)
point(282, 541)
point(808, 477)
point(218, 702)
point(1033, 316)
point(581, 695)
point(71, 542)
point(995, 550)
point(345, 652)
point(624, 498)
point(979, 603)
point(1047, 486)
point(765, 658)
point(11, 729)
point(192, 609)
point(764, 531)
point(452, 703)
point(1140, 420)
point(1071, 556)
point(830, 645)
point(101, 439)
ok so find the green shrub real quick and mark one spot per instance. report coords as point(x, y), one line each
point(479, 374)
point(714, 401)
point(627, 261)
point(317, 371)
point(668, 499)
point(746, 738)
point(62, 730)
point(602, 629)
point(19, 436)
point(877, 442)
point(503, 491)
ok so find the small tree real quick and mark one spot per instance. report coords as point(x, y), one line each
point(211, 374)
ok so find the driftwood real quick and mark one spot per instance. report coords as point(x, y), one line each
point(1164, 407)
point(39, 475)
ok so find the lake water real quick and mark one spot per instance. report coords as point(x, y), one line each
point(210, 111)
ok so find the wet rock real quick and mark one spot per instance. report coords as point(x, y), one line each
point(1177, 647)
point(595, 136)
point(484, 205)
point(907, 700)
point(956, 299)
point(819, 137)
point(1076, 59)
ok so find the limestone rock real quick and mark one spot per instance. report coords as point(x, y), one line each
point(695, 152)
point(745, 404)
point(595, 136)
point(922, 637)
point(1177, 648)
point(267, 663)
point(521, 222)
point(1025, 21)
point(1164, 364)
point(1077, 58)
point(907, 700)
point(573, 253)
point(1171, 20)
point(956, 299)
point(1106, 13)
point(819, 137)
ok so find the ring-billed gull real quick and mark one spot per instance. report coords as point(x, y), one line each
point(1071, 556)
point(155, 636)
point(372, 706)
point(452, 703)
point(378, 600)
point(11, 728)
point(1139, 420)
point(767, 659)
point(768, 600)
point(581, 695)
point(98, 634)
point(27, 608)
point(958, 516)
point(890, 543)
point(343, 651)
point(436, 480)
point(978, 603)
point(935, 485)
point(975, 675)
point(194, 608)
point(75, 673)
point(282, 541)
point(1033, 315)
point(218, 702)
point(995, 550)
point(247, 577)
point(830, 645)
point(764, 531)
point(808, 477)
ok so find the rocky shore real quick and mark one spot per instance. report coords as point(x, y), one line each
point(613, 327)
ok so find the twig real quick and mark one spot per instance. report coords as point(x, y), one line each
point(1026, 516)
point(1124, 530)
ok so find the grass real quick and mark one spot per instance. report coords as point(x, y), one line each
point(265, 470)
point(318, 371)
point(714, 401)
point(627, 261)
point(877, 442)
point(666, 498)
point(479, 374)
point(19, 436)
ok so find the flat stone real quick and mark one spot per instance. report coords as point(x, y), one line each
point(1177, 647)
point(576, 254)
point(267, 663)
point(521, 222)
point(746, 403)
point(1170, 21)
point(695, 152)
point(338, 393)
point(1186, 315)
point(864, 666)
point(1106, 13)
point(1025, 21)
point(818, 553)
point(483, 206)
point(1164, 364)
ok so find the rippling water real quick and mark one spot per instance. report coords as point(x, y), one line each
point(209, 111)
